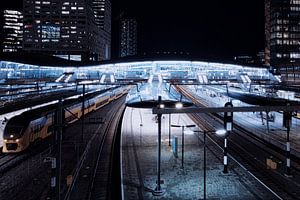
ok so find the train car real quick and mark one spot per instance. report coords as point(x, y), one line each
point(31, 126)
point(24, 129)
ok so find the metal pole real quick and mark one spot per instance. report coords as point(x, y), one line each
point(182, 147)
point(158, 191)
point(170, 129)
point(225, 171)
point(53, 177)
point(288, 152)
point(204, 166)
point(82, 110)
point(267, 121)
point(159, 150)
point(56, 162)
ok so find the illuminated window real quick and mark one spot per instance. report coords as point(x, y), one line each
point(295, 55)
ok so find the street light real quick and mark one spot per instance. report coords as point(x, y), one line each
point(158, 191)
point(182, 140)
point(218, 132)
point(169, 129)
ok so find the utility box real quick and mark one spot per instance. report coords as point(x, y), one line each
point(175, 146)
point(271, 164)
point(69, 180)
point(274, 165)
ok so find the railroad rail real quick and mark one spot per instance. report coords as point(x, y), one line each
point(251, 151)
point(92, 176)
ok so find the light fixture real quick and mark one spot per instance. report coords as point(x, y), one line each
point(178, 105)
point(221, 132)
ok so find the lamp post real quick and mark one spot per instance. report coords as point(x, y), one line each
point(204, 156)
point(158, 191)
point(170, 129)
point(182, 139)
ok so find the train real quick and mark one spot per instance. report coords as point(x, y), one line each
point(32, 126)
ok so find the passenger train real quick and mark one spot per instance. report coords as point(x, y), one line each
point(31, 126)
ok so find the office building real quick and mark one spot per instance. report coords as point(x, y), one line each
point(64, 28)
point(128, 37)
point(12, 31)
point(102, 13)
point(282, 31)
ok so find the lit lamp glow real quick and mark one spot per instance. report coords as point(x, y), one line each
point(178, 105)
point(221, 132)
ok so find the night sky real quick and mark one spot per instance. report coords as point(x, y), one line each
point(203, 28)
point(206, 29)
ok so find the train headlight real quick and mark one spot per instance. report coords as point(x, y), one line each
point(17, 140)
point(11, 136)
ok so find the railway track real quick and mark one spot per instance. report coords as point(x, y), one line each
point(251, 152)
point(101, 182)
point(9, 161)
point(92, 177)
point(28, 174)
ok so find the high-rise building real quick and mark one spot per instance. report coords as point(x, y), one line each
point(65, 28)
point(102, 13)
point(128, 37)
point(12, 31)
point(282, 31)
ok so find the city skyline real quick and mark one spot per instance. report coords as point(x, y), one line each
point(208, 30)
point(211, 30)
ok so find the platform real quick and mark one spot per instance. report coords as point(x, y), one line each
point(139, 161)
point(275, 134)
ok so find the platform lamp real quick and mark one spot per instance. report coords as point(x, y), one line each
point(158, 191)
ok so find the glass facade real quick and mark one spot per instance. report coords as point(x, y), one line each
point(283, 36)
point(128, 37)
point(12, 31)
point(64, 27)
point(214, 72)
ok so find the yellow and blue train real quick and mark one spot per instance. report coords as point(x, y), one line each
point(31, 126)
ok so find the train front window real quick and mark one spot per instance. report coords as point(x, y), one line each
point(14, 130)
point(11, 146)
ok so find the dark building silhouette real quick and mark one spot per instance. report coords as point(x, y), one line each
point(128, 37)
point(282, 31)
